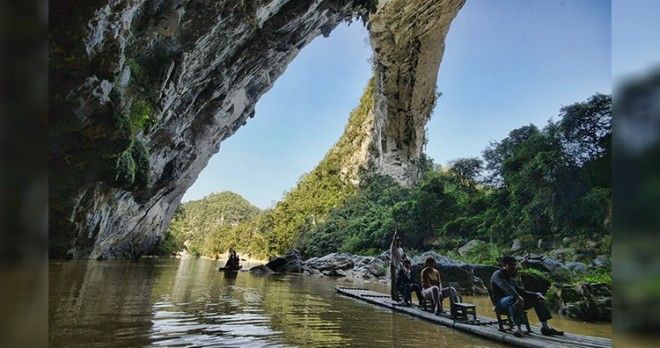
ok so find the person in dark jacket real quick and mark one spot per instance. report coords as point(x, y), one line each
point(509, 297)
point(406, 286)
point(233, 262)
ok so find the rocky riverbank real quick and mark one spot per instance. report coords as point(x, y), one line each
point(553, 277)
point(471, 278)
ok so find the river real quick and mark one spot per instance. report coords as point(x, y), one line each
point(187, 302)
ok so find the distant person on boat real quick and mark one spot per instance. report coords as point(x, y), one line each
point(508, 296)
point(406, 286)
point(432, 286)
point(233, 263)
point(397, 255)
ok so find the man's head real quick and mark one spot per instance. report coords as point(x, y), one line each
point(509, 264)
point(430, 262)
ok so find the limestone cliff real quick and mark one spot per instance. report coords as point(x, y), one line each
point(143, 93)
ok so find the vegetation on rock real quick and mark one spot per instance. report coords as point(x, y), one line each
point(202, 226)
point(535, 184)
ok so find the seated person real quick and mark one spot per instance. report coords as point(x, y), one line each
point(432, 287)
point(510, 298)
point(233, 262)
point(406, 286)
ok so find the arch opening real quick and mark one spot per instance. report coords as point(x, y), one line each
point(158, 88)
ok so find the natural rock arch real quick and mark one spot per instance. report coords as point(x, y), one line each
point(143, 93)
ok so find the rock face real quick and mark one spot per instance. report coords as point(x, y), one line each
point(408, 42)
point(331, 262)
point(451, 271)
point(516, 245)
point(143, 93)
point(332, 265)
point(346, 265)
point(470, 246)
point(291, 263)
point(588, 302)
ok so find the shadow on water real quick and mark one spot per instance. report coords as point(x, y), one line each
point(189, 303)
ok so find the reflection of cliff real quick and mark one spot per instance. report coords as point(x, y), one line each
point(91, 302)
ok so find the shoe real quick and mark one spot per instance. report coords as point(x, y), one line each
point(551, 332)
point(518, 334)
point(556, 332)
point(439, 311)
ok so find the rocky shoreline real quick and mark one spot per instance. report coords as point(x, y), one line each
point(584, 301)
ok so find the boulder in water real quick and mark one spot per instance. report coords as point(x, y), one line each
point(261, 269)
point(291, 262)
point(334, 261)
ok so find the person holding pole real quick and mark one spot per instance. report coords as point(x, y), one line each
point(397, 255)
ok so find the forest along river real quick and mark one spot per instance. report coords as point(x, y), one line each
point(171, 302)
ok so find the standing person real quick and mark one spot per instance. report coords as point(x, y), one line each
point(233, 263)
point(396, 257)
point(406, 286)
point(507, 296)
point(432, 286)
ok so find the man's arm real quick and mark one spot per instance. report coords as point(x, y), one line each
point(504, 284)
point(524, 291)
point(529, 293)
point(392, 244)
point(425, 281)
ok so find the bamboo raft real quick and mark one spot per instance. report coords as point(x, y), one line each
point(484, 327)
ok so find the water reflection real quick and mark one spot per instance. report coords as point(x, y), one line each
point(96, 304)
point(189, 303)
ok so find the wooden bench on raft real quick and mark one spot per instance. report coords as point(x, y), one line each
point(460, 309)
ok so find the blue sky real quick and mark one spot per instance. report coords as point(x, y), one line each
point(506, 64)
point(635, 37)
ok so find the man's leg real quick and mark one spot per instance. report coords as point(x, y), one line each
point(508, 304)
point(393, 292)
point(405, 290)
point(532, 301)
point(449, 292)
point(437, 299)
point(542, 312)
point(418, 292)
point(428, 295)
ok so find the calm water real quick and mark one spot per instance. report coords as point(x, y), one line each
point(169, 302)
